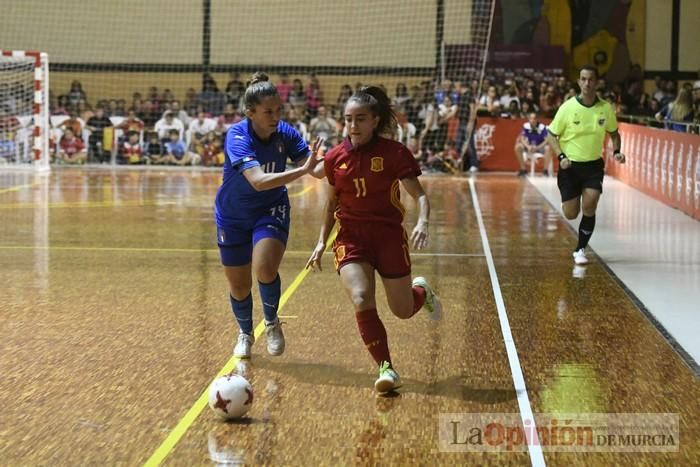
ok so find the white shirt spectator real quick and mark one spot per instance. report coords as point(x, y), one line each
point(507, 99)
point(202, 127)
point(167, 123)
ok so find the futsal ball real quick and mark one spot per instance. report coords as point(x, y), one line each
point(230, 396)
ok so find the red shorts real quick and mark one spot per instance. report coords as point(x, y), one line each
point(383, 246)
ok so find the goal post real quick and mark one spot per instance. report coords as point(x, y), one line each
point(24, 110)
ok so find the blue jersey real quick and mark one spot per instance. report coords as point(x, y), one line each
point(236, 199)
point(535, 136)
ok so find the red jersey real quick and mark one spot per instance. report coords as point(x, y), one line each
point(132, 153)
point(72, 146)
point(366, 179)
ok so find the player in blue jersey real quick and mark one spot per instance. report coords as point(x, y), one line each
point(252, 207)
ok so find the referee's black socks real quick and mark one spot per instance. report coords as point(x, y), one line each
point(585, 230)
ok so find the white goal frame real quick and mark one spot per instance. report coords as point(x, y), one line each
point(39, 123)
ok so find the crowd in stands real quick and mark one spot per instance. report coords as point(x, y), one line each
point(434, 116)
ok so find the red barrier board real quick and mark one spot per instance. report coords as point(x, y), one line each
point(661, 163)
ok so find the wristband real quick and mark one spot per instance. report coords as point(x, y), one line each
point(561, 156)
point(616, 152)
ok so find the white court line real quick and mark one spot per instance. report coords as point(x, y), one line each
point(533, 442)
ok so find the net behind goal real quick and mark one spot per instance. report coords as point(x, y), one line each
point(24, 110)
point(154, 57)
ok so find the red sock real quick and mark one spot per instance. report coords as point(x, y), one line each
point(419, 294)
point(373, 335)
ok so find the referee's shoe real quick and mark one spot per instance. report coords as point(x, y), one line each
point(580, 257)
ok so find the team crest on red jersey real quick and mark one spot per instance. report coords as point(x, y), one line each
point(377, 164)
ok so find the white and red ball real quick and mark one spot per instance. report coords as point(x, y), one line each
point(230, 396)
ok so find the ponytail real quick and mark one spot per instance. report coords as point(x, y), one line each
point(259, 87)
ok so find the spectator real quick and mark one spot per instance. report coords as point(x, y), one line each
point(191, 104)
point(228, 118)
point(401, 98)
point(150, 113)
point(509, 95)
point(167, 96)
point(680, 110)
point(696, 100)
point(314, 96)
point(199, 128)
point(490, 101)
point(76, 93)
point(166, 124)
point(71, 148)
point(284, 88)
point(532, 142)
point(322, 126)
point(298, 97)
point(132, 123)
point(96, 124)
point(153, 151)
point(131, 151)
point(75, 123)
point(293, 119)
point(234, 89)
point(179, 113)
point(176, 152)
point(211, 98)
point(9, 125)
point(210, 150)
point(343, 96)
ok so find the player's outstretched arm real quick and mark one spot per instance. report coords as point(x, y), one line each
point(328, 223)
point(317, 150)
point(419, 236)
point(262, 181)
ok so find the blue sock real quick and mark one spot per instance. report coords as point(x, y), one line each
point(243, 311)
point(270, 295)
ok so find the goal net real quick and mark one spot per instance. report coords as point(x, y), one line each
point(196, 56)
point(24, 110)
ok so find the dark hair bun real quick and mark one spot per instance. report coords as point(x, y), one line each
point(258, 77)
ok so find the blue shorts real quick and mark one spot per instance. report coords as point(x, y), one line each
point(236, 241)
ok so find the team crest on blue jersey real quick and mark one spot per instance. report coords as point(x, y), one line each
point(376, 164)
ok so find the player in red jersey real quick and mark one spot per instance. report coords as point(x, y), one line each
point(364, 172)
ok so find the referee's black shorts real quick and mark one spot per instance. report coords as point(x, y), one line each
point(580, 175)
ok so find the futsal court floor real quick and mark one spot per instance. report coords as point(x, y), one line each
point(115, 319)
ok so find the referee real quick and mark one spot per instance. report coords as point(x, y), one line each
point(577, 134)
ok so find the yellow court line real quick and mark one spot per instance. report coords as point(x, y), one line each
point(305, 190)
point(134, 249)
point(185, 422)
point(15, 188)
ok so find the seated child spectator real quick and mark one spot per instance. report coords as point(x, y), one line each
point(131, 151)
point(71, 148)
point(211, 150)
point(153, 152)
point(176, 152)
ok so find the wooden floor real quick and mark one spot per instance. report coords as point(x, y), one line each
point(115, 318)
